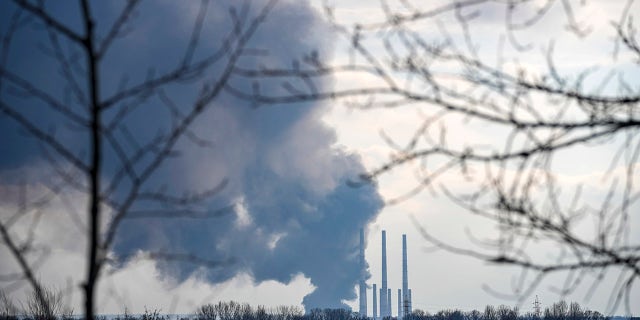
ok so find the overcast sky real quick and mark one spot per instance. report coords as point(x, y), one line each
point(295, 221)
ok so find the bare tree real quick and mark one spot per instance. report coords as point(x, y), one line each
point(8, 310)
point(99, 116)
point(430, 58)
point(47, 309)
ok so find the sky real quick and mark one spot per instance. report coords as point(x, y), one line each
point(292, 228)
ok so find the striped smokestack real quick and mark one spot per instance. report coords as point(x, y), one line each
point(363, 274)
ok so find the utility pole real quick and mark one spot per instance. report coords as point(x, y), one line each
point(536, 307)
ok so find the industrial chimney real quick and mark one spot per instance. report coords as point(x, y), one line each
point(363, 273)
point(406, 297)
point(399, 303)
point(375, 303)
point(389, 303)
point(410, 302)
point(384, 299)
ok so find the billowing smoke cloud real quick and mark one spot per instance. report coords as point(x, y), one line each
point(294, 211)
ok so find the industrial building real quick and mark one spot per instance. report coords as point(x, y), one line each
point(384, 304)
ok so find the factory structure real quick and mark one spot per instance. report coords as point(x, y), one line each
point(383, 308)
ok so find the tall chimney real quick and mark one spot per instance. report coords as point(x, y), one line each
point(363, 272)
point(405, 278)
point(375, 303)
point(399, 303)
point(384, 301)
point(389, 303)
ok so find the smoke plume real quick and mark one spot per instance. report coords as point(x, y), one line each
point(292, 208)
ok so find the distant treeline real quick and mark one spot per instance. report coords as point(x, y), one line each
point(242, 311)
point(237, 311)
point(557, 311)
